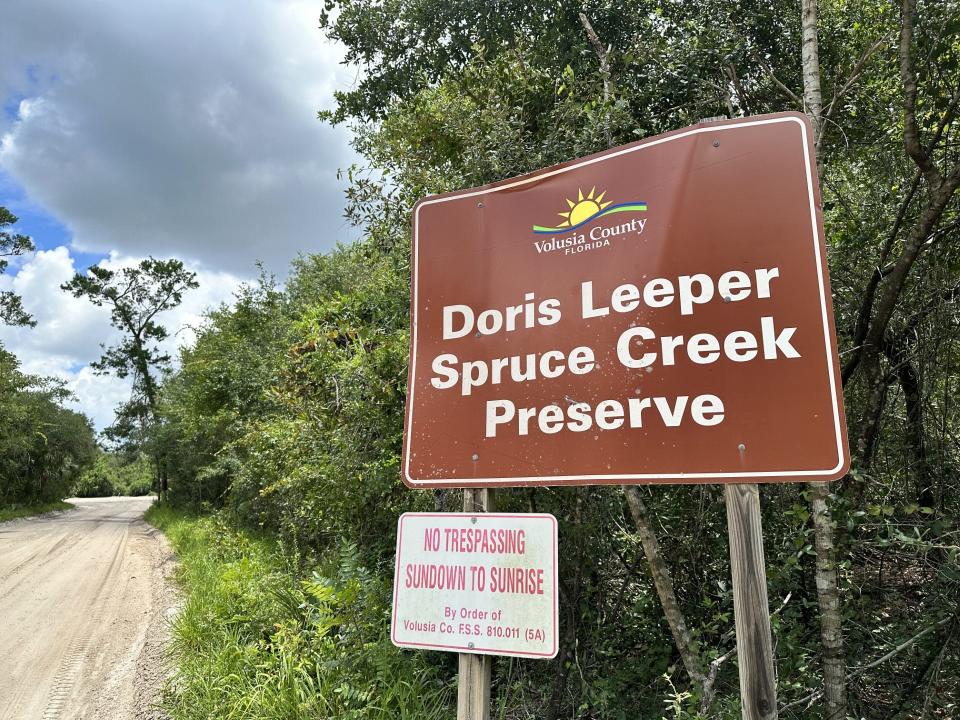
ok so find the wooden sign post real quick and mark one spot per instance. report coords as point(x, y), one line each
point(473, 687)
point(477, 583)
point(751, 611)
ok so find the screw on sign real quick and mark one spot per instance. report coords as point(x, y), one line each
point(656, 313)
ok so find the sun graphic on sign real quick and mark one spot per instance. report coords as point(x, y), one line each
point(587, 208)
point(584, 208)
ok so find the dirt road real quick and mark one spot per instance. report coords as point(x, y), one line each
point(82, 599)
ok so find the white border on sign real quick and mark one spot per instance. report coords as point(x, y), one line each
point(561, 479)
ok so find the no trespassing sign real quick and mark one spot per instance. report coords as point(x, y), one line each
point(476, 583)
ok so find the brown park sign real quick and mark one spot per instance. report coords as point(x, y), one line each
point(659, 312)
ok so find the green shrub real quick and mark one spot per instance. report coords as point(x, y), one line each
point(44, 447)
point(94, 484)
point(257, 640)
point(112, 474)
point(18, 511)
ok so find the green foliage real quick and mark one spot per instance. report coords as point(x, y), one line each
point(43, 446)
point(287, 412)
point(113, 474)
point(19, 511)
point(255, 641)
point(285, 394)
point(12, 244)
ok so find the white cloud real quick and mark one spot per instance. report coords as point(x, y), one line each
point(172, 129)
point(67, 328)
point(70, 330)
point(177, 128)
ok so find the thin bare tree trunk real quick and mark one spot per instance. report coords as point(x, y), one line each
point(867, 444)
point(603, 55)
point(810, 51)
point(828, 597)
point(692, 662)
point(897, 350)
point(828, 593)
point(664, 584)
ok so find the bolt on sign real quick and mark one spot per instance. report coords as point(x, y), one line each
point(659, 312)
point(476, 583)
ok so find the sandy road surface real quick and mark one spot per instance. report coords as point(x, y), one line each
point(82, 593)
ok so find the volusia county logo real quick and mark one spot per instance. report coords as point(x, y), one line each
point(583, 211)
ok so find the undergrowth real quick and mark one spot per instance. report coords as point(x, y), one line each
point(18, 511)
point(256, 639)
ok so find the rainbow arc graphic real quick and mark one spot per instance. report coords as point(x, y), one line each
point(586, 209)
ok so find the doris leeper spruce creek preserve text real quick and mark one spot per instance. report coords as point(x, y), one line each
point(638, 348)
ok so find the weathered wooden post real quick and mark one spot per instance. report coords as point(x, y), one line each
point(473, 688)
point(758, 687)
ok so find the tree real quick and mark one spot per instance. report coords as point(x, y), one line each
point(928, 149)
point(222, 381)
point(288, 409)
point(43, 446)
point(881, 87)
point(12, 244)
point(136, 296)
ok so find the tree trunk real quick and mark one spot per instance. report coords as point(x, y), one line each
point(603, 56)
point(897, 354)
point(664, 584)
point(828, 597)
point(810, 53)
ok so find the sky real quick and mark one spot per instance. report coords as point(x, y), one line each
point(173, 129)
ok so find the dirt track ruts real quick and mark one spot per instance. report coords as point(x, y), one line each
point(83, 602)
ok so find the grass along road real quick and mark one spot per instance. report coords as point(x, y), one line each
point(260, 638)
point(20, 511)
